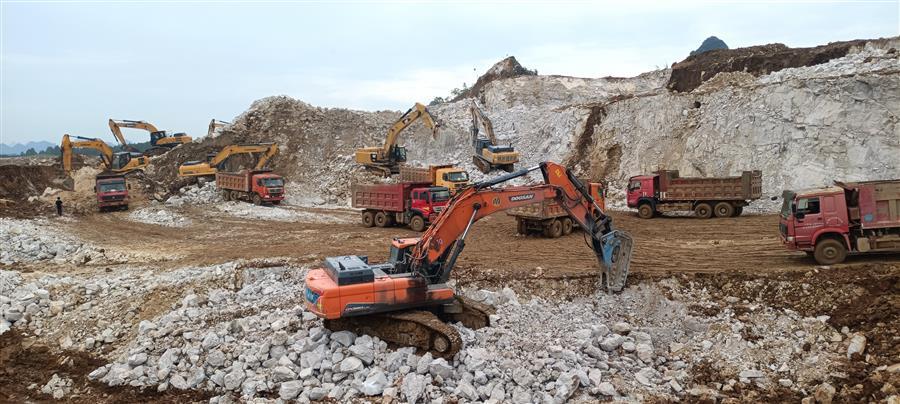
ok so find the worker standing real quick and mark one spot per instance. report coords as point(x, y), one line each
point(58, 206)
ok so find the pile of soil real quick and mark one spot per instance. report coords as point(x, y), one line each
point(756, 60)
point(21, 180)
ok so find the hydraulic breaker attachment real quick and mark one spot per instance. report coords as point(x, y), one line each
point(613, 250)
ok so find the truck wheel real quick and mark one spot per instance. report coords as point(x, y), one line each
point(724, 209)
point(645, 211)
point(554, 229)
point(830, 251)
point(521, 228)
point(737, 211)
point(257, 200)
point(368, 219)
point(235, 196)
point(567, 226)
point(703, 211)
point(381, 220)
point(417, 223)
point(226, 195)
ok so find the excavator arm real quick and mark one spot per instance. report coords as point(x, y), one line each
point(115, 126)
point(411, 115)
point(209, 168)
point(85, 143)
point(435, 254)
point(479, 120)
point(215, 124)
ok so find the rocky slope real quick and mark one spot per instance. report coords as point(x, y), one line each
point(833, 117)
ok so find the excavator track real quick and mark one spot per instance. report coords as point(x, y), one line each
point(482, 164)
point(422, 329)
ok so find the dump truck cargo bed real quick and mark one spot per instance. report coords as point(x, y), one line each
point(674, 188)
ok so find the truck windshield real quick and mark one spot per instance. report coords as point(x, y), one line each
point(273, 182)
point(440, 196)
point(457, 176)
point(788, 200)
point(112, 187)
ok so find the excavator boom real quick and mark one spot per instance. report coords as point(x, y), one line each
point(215, 124)
point(410, 292)
point(386, 159)
point(159, 140)
point(209, 168)
point(124, 162)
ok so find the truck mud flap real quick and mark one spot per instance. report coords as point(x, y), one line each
point(614, 254)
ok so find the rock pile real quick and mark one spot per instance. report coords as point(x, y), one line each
point(197, 194)
point(160, 216)
point(31, 241)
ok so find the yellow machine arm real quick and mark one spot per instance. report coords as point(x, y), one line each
point(410, 116)
point(479, 119)
point(115, 126)
point(215, 124)
point(208, 168)
point(96, 144)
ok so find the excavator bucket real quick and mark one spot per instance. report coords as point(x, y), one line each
point(613, 250)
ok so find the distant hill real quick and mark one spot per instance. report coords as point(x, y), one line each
point(16, 149)
point(709, 44)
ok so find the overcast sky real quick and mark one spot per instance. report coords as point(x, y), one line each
point(67, 67)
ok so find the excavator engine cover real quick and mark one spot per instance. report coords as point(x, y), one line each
point(614, 253)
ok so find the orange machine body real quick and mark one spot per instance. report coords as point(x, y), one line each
point(383, 291)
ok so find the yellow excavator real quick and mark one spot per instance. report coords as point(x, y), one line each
point(488, 155)
point(387, 158)
point(215, 124)
point(121, 162)
point(160, 142)
point(209, 167)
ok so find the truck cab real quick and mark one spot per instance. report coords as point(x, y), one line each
point(428, 202)
point(807, 215)
point(112, 192)
point(454, 179)
point(269, 187)
point(641, 187)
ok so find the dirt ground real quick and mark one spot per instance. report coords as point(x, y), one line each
point(740, 257)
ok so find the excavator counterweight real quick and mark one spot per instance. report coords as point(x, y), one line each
point(350, 290)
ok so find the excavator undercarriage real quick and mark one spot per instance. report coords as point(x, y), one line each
point(427, 329)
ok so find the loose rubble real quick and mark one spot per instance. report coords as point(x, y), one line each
point(159, 216)
point(40, 240)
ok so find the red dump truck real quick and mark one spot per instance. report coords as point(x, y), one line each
point(257, 186)
point(550, 219)
point(112, 192)
point(415, 204)
point(665, 191)
point(829, 223)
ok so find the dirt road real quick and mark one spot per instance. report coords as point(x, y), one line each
point(747, 244)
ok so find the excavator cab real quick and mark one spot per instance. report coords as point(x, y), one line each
point(155, 137)
point(401, 253)
point(398, 154)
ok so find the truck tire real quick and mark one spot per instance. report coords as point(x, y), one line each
point(724, 209)
point(235, 196)
point(368, 218)
point(521, 227)
point(226, 195)
point(553, 229)
point(567, 226)
point(830, 251)
point(256, 200)
point(703, 211)
point(645, 211)
point(417, 223)
point(381, 219)
point(737, 211)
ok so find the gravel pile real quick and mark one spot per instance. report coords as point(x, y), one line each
point(159, 216)
point(197, 194)
point(277, 213)
point(41, 240)
point(241, 329)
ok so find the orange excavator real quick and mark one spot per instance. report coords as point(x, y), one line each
point(407, 301)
